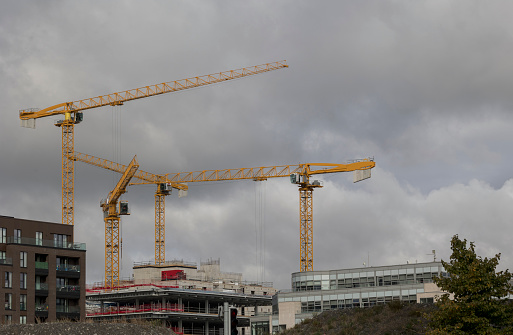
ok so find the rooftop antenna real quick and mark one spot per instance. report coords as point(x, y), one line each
point(433, 252)
point(368, 261)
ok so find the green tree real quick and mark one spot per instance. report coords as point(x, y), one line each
point(476, 299)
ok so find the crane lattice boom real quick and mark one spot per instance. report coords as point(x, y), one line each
point(303, 171)
point(265, 172)
point(262, 173)
point(72, 112)
point(119, 98)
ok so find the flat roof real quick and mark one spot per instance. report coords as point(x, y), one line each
point(370, 268)
point(150, 293)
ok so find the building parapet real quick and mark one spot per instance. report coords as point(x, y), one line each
point(45, 243)
point(173, 262)
point(230, 275)
point(257, 283)
point(99, 288)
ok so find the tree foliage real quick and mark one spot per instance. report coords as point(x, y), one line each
point(476, 302)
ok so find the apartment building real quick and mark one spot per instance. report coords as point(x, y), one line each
point(182, 296)
point(43, 272)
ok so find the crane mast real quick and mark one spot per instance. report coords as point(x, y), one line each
point(163, 189)
point(299, 174)
point(306, 224)
point(73, 114)
point(68, 172)
point(112, 222)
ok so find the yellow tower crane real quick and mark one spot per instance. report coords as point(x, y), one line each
point(299, 174)
point(72, 112)
point(111, 216)
point(163, 189)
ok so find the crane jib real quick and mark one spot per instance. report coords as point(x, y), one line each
point(119, 98)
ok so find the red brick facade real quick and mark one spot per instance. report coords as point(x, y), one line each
point(42, 272)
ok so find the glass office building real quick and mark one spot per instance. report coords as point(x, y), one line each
point(317, 291)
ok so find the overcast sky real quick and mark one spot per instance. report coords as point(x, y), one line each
point(424, 87)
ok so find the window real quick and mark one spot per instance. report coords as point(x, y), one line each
point(60, 240)
point(61, 305)
point(23, 280)
point(23, 302)
point(61, 282)
point(8, 319)
point(39, 238)
point(23, 319)
point(8, 279)
point(17, 236)
point(2, 256)
point(62, 262)
point(8, 301)
point(41, 283)
point(3, 235)
point(23, 259)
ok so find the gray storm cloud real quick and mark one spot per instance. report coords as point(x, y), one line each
point(421, 86)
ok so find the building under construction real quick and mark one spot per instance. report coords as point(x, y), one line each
point(181, 296)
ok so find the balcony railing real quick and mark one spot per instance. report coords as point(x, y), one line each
point(6, 261)
point(68, 267)
point(42, 286)
point(42, 265)
point(42, 308)
point(46, 243)
point(69, 288)
point(67, 309)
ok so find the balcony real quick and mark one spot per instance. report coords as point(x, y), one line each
point(6, 261)
point(42, 289)
point(46, 243)
point(68, 267)
point(68, 271)
point(41, 265)
point(68, 288)
point(42, 311)
point(42, 286)
point(41, 268)
point(68, 312)
point(68, 291)
point(67, 309)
